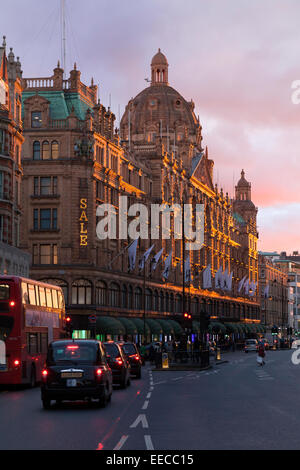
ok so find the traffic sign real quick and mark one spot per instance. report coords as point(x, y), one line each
point(92, 318)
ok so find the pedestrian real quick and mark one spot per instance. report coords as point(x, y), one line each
point(261, 354)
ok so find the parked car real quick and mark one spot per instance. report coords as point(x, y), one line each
point(251, 345)
point(118, 363)
point(134, 358)
point(76, 370)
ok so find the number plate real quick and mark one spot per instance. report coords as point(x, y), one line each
point(71, 382)
point(71, 375)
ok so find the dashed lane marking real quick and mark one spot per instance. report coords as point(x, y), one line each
point(121, 443)
point(148, 442)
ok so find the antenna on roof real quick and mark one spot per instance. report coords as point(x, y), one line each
point(63, 35)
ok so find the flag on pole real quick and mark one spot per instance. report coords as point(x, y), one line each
point(266, 291)
point(132, 254)
point(224, 279)
point(218, 276)
point(156, 259)
point(187, 271)
point(207, 284)
point(168, 262)
point(252, 288)
point(241, 284)
point(246, 286)
point(229, 281)
point(144, 258)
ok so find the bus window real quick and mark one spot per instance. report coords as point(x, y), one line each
point(31, 293)
point(42, 297)
point(54, 298)
point(25, 298)
point(2, 355)
point(49, 297)
point(32, 343)
point(37, 295)
point(4, 291)
point(60, 300)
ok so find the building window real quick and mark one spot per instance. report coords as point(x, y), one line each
point(45, 219)
point(44, 254)
point(1, 184)
point(36, 150)
point(54, 150)
point(138, 298)
point(46, 150)
point(81, 292)
point(101, 293)
point(114, 295)
point(36, 119)
point(45, 185)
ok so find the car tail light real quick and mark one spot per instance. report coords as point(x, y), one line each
point(12, 303)
point(44, 373)
point(17, 362)
point(135, 356)
point(73, 347)
point(119, 361)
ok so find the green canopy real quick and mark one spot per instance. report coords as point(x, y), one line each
point(131, 328)
point(110, 326)
point(176, 327)
point(216, 327)
point(154, 326)
point(231, 328)
point(167, 328)
point(239, 328)
point(139, 323)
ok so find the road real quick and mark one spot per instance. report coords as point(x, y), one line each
point(234, 405)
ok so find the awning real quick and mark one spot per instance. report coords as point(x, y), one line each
point(109, 326)
point(176, 327)
point(154, 326)
point(131, 328)
point(216, 327)
point(139, 323)
point(167, 328)
point(231, 328)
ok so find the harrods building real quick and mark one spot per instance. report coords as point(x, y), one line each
point(74, 159)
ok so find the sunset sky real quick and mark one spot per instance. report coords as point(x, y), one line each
point(236, 59)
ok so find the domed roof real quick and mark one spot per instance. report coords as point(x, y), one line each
point(159, 59)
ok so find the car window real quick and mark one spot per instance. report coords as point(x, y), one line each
point(73, 353)
point(112, 350)
point(129, 348)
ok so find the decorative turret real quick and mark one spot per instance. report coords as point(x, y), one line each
point(159, 69)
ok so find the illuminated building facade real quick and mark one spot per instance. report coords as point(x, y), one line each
point(74, 160)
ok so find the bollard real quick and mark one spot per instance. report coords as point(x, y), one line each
point(218, 354)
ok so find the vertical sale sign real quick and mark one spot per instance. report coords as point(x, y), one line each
point(83, 221)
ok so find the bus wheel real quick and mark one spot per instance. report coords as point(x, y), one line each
point(32, 377)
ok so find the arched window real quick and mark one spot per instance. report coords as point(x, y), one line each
point(101, 293)
point(167, 306)
point(130, 297)
point(138, 298)
point(178, 302)
point(54, 150)
point(114, 295)
point(45, 150)
point(148, 299)
point(161, 302)
point(171, 302)
point(124, 297)
point(36, 150)
point(156, 306)
point(82, 292)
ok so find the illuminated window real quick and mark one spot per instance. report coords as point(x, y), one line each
point(54, 150)
point(46, 150)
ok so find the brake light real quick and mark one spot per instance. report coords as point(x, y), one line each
point(135, 356)
point(44, 373)
point(12, 303)
point(72, 347)
point(99, 372)
point(17, 363)
point(119, 361)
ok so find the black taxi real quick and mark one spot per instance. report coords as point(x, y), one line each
point(76, 370)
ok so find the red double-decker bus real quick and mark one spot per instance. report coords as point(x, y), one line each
point(32, 314)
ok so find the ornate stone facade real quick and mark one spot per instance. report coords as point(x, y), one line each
point(74, 160)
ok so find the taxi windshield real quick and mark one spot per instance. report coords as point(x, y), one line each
point(73, 353)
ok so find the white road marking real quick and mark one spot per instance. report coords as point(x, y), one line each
point(148, 442)
point(178, 378)
point(140, 419)
point(121, 442)
point(148, 395)
point(158, 383)
point(145, 405)
point(151, 389)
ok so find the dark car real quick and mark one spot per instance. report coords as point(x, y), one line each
point(76, 370)
point(118, 363)
point(134, 358)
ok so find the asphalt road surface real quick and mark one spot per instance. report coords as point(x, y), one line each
point(234, 405)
